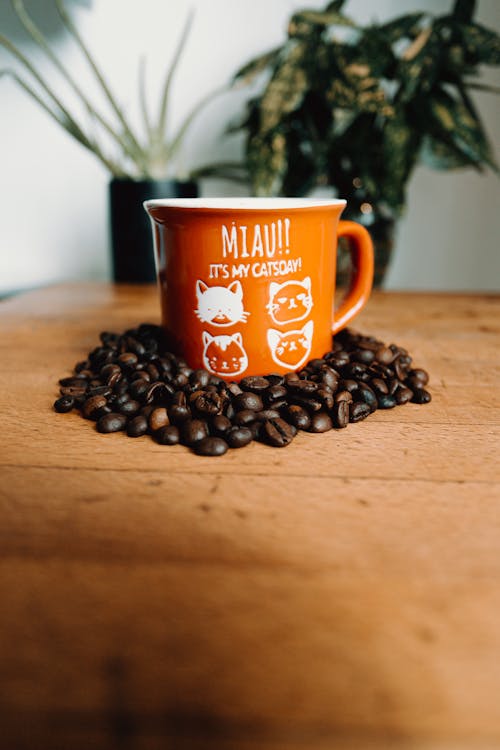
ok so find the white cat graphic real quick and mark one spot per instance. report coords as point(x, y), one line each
point(220, 305)
point(290, 302)
point(291, 349)
point(224, 355)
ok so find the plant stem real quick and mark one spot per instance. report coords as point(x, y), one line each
point(162, 119)
point(40, 40)
point(70, 126)
point(100, 77)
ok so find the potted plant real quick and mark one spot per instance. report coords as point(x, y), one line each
point(141, 166)
point(357, 107)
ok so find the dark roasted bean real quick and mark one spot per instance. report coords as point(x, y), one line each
point(193, 430)
point(340, 413)
point(137, 426)
point(358, 411)
point(112, 422)
point(385, 355)
point(275, 393)
point(254, 383)
point(129, 407)
point(421, 396)
point(131, 382)
point(199, 378)
point(210, 446)
point(221, 424)
point(419, 375)
point(343, 396)
point(238, 437)
point(260, 416)
point(320, 422)
point(379, 385)
point(365, 356)
point(302, 387)
point(403, 395)
point(365, 393)
point(92, 406)
point(386, 401)
point(168, 435)
point(348, 385)
point(64, 404)
point(248, 400)
point(298, 416)
point(208, 405)
point(243, 417)
point(158, 419)
point(277, 432)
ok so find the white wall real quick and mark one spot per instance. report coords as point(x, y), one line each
point(53, 213)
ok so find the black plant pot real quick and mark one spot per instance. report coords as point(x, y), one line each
point(131, 236)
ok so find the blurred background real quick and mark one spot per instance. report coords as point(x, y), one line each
point(54, 200)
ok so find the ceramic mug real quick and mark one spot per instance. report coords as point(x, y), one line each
point(247, 285)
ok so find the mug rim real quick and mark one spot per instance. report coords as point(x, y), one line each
point(244, 203)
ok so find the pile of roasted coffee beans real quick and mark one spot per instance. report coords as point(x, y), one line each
point(130, 383)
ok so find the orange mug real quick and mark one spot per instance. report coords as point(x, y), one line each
point(247, 285)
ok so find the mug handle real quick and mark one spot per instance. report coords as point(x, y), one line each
point(361, 249)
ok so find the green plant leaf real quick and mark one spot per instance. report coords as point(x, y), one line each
point(451, 122)
point(404, 26)
point(267, 161)
point(251, 70)
point(480, 45)
point(440, 155)
point(285, 92)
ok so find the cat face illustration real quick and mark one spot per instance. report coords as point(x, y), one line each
point(220, 305)
point(291, 349)
point(290, 301)
point(224, 355)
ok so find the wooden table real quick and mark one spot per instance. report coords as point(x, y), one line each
point(342, 593)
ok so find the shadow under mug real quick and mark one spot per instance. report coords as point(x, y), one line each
point(247, 285)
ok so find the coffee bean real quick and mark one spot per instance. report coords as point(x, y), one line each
point(384, 355)
point(320, 422)
point(199, 378)
point(340, 413)
point(211, 446)
point(276, 432)
point(193, 430)
point(137, 426)
point(303, 387)
point(358, 411)
point(243, 417)
point(178, 413)
point(168, 435)
point(248, 400)
point(298, 416)
point(419, 375)
point(255, 384)
point(403, 395)
point(275, 393)
point(365, 393)
point(379, 385)
point(130, 407)
point(221, 425)
point(421, 396)
point(64, 404)
point(343, 396)
point(261, 416)
point(158, 418)
point(208, 404)
point(238, 437)
point(130, 381)
point(386, 401)
point(92, 406)
point(112, 422)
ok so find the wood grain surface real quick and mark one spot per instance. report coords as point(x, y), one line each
point(340, 594)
